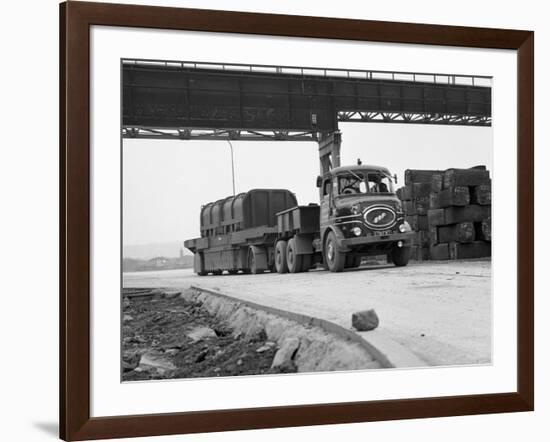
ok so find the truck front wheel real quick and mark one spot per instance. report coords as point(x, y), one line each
point(400, 256)
point(280, 257)
point(335, 259)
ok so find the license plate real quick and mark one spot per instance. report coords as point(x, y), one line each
point(382, 233)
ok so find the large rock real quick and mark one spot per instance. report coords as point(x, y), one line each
point(365, 320)
point(169, 294)
point(156, 360)
point(200, 333)
point(286, 352)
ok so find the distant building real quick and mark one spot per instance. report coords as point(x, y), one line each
point(159, 261)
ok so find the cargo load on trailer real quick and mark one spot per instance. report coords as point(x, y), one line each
point(237, 232)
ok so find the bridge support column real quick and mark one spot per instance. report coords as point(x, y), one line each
point(329, 150)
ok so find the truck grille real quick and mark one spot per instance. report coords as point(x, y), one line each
point(379, 217)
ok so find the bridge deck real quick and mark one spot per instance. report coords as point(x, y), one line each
point(186, 100)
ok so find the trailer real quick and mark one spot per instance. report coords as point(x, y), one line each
point(238, 233)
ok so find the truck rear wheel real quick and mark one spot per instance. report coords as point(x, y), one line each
point(335, 259)
point(401, 255)
point(293, 261)
point(280, 257)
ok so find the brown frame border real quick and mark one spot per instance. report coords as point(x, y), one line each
point(75, 21)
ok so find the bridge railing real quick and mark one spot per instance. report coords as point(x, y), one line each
point(416, 77)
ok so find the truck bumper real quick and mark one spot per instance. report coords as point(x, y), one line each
point(349, 243)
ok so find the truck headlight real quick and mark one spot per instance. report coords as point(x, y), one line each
point(355, 210)
point(356, 231)
point(405, 227)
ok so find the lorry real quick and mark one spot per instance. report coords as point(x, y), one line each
point(358, 215)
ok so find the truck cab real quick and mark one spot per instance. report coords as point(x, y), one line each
point(360, 215)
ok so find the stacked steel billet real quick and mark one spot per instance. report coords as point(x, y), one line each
point(415, 196)
point(459, 215)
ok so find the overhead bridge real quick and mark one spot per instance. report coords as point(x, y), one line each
point(190, 100)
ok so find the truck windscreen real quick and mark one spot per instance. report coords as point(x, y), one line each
point(367, 183)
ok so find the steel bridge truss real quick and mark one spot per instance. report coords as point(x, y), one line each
point(187, 100)
point(289, 135)
point(218, 134)
point(415, 118)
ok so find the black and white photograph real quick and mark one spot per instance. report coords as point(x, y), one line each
point(239, 221)
point(295, 219)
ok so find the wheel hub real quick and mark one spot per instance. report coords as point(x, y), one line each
point(330, 251)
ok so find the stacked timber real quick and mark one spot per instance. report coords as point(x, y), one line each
point(459, 215)
point(415, 198)
point(450, 211)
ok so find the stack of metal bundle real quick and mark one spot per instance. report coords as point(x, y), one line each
point(459, 217)
point(415, 196)
point(450, 211)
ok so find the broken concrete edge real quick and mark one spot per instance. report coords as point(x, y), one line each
point(386, 351)
point(300, 344)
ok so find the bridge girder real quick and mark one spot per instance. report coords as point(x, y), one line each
point(187, 101)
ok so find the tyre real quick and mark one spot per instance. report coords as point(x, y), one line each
point(335, 259)
point(217, 272)
point(401, 255)
point(293, 261)
point(280, 257)
point(233, 272)
point(252, 265)
point(306, 262)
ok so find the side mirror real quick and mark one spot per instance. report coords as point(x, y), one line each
point(319, 181)
point(395, 178)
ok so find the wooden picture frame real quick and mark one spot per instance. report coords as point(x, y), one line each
point(75, 21)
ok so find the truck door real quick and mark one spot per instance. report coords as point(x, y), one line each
point(326, 205)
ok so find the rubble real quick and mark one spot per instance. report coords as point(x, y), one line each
point(174, 338)
point(286, 353)
point(201, 333)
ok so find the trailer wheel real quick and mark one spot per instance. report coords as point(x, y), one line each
point(280, 257)
point(401, 255)
point(294, 261)
point(335, 259)
point(252, 264)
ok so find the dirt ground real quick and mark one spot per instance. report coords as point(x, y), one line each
point(173, 338)
point(441, 311)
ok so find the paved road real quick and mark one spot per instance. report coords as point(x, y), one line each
point(439, 310)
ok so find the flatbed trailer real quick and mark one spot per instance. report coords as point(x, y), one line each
point(239, 233)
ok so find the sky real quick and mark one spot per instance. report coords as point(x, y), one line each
point(165, 182)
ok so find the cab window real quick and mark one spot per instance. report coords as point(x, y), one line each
point(326, 188)
point(379, 183)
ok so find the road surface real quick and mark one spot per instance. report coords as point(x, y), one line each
point(441, 311)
